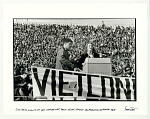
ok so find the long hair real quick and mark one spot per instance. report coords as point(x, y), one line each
point(93, 50)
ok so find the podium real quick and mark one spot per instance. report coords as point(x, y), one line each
point(98, 66)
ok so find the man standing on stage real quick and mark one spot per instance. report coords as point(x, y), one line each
point(62, 59)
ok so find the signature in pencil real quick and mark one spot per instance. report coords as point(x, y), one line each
point(127, 108)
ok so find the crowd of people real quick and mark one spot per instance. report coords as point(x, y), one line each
point(37, 44)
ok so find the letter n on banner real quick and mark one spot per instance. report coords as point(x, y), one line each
point(124, 88)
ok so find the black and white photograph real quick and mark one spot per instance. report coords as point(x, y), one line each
point(74, 59)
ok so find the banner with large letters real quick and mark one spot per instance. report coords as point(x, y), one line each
point(57, 84)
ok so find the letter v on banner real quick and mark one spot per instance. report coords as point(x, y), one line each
point(44, 80)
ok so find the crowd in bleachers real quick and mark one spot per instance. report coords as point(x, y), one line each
point(37, 44)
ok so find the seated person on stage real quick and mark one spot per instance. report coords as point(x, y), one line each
point(89, 53)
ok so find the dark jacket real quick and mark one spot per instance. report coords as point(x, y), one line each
point(62, 60)
point(82, 59)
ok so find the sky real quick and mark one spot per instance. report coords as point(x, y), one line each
point(74, 21)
